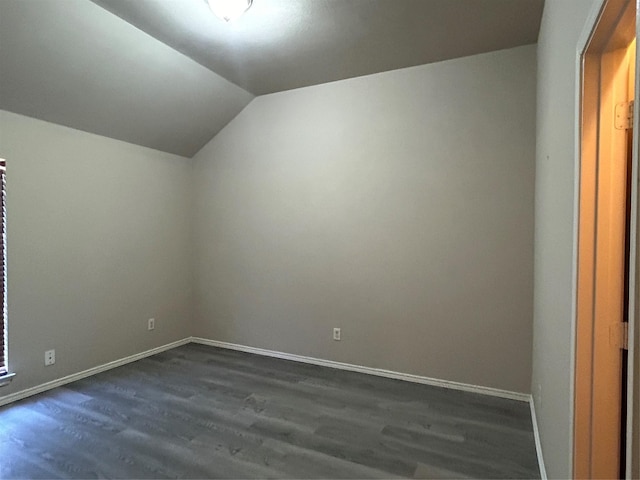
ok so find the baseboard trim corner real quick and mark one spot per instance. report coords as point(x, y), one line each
point(28, 392)
point(495, 392)
point(536, 436)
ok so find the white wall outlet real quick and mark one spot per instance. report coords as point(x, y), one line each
point(49, 357)
point(336, 334)
point(151, 324)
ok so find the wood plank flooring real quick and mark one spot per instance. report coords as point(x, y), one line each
point(203, 412)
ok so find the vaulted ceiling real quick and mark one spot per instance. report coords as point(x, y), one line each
point(73, 63)
point(167, 74)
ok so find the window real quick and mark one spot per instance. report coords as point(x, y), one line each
point(3, 269)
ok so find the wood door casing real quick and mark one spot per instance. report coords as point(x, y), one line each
point(586, 248)
point(602, 261)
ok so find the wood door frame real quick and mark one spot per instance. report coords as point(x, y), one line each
point(598, 13)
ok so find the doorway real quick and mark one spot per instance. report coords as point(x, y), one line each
point(606, 247)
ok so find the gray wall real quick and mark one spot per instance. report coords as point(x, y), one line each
point(397, 206)
point(562, 24)
point(98, 241)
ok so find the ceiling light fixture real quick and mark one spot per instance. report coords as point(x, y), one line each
point(229, 10)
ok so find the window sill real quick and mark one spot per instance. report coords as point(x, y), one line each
point(5, 379)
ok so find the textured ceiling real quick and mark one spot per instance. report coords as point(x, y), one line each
point(73, 63)
point(169, 75)
point(283, 44)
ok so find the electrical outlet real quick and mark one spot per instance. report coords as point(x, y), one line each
point(49, 357)
point(151, 324)
point(336, 334)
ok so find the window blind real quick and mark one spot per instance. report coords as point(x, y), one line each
point(3, 268)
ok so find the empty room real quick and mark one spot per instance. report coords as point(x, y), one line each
point(319, 239)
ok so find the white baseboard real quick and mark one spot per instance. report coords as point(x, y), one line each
point(13, 397)
point(495, 392)
point(536, 436)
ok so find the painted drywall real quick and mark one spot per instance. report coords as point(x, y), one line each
point(562, 24)
point(279, 45)
point(76, 64)
point(396, 206)
point(98, 242)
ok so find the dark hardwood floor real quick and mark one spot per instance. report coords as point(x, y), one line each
point(203, 412)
